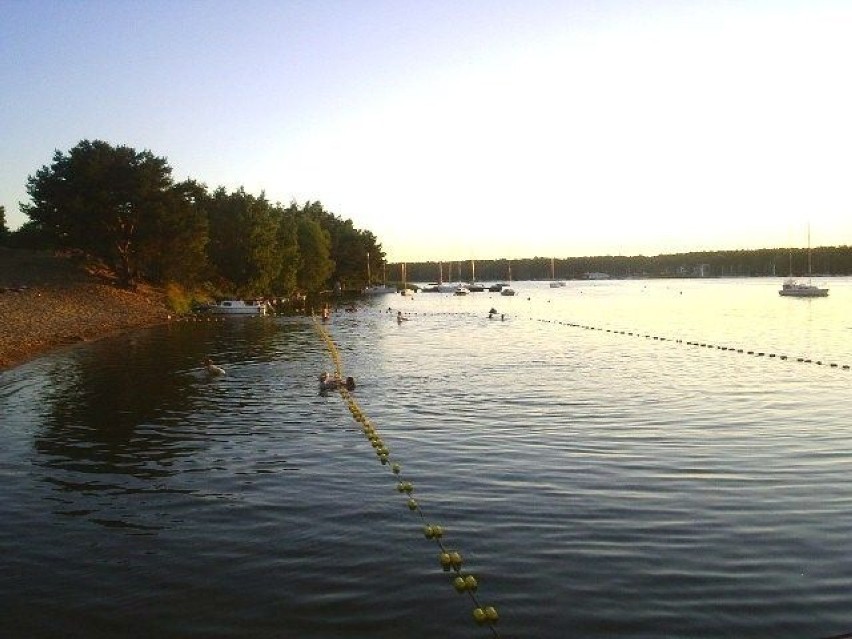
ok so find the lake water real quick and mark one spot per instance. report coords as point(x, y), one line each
point(597, 483)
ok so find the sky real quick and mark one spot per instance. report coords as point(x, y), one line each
point(453, 130)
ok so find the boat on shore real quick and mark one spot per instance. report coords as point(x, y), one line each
point(237, 307)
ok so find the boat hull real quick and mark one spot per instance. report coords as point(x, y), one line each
point(237, 307)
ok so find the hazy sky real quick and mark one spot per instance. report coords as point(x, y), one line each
point(483, 128)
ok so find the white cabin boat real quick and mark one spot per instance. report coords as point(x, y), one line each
point(792, 288)
point(238, 307)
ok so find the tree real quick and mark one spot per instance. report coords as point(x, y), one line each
point(314, 248)
point(4, 230)
point(243, 246)
point(349, 246)
point(173, 242)
point(99, 198)
point(288, 252)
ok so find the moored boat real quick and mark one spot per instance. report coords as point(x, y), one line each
point(554, 282)
point(792, 288)
point(237, 307)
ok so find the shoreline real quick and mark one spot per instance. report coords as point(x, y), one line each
point(47, 302)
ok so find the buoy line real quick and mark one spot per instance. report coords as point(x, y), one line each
point(732, 349)
point(451, 561)
point(659, 338)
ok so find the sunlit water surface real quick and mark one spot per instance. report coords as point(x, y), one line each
point(598, 483)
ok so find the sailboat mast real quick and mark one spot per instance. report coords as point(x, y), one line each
point(369, 279)
point(809, 253)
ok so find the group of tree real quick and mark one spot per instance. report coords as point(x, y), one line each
point(121, 207)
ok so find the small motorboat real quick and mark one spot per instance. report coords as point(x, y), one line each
point(238, 307)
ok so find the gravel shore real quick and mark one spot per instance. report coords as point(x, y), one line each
point(48, 301)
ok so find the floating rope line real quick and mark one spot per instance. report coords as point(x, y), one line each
point(450, 560)
point(732, 349)
point(803, 360)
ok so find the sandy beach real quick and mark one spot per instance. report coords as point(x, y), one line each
point(47, 301)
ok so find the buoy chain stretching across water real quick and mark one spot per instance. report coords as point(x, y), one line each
point(803, 360)
point(451, 561)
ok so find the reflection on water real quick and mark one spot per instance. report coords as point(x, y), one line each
point(606, 483)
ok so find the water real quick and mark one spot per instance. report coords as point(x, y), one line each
point(597, 483)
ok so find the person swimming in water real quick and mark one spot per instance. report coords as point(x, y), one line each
point(212, 369)
point(328, 383)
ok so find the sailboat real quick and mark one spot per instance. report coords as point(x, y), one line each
point(792, 288)
point(439, 286)
point(378, 289)
point(405, 291)
point(473, 287)
point(554, 282)
point(508, 290)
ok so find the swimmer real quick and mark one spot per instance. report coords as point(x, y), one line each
point(212, 369)
point(328, 383)
point(399, 318)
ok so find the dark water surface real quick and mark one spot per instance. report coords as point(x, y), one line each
point(598, 484)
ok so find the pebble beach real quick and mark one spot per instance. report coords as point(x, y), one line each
point(49, 301)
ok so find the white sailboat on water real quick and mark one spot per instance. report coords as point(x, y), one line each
point(792, 288)
point(554, 282)
point(508, 291)
point(370, 289)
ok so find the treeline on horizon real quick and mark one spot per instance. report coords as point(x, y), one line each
point(122, 208)
point(825, 260)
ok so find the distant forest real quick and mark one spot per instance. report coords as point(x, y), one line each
point(825, 260)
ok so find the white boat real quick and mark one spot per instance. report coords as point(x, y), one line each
point(554, 283)
point(461, 290)
point(405, 291)
point(377, 289)
point(439, 286)
point(792, 288)
point(507, 290)
point(238, 307)
point(381, 289)
point(473, 287)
